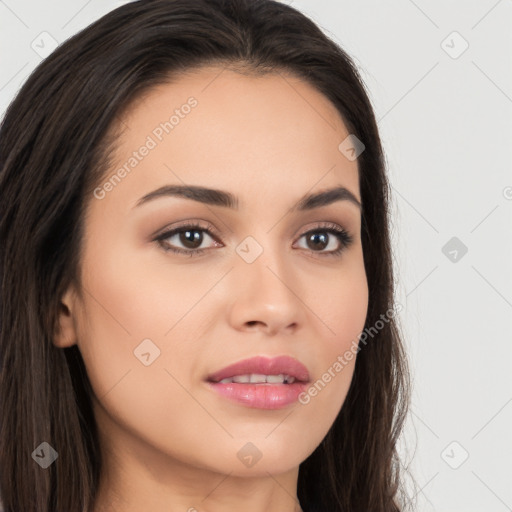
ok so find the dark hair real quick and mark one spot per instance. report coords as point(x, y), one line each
point(54, 149)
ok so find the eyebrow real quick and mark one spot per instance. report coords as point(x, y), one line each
point(225, 199)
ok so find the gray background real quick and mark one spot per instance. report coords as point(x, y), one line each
point(445, 120)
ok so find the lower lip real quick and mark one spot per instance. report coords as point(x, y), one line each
point(260, 396)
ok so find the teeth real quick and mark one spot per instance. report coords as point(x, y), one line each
point(275, 379)
point(258, 378)
point(243, 379)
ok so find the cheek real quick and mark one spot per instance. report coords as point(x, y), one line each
point(130, 318)
point(339, 301)
point(342, 308)
point(139, 375)
point(137, 297)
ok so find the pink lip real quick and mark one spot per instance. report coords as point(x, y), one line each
point(285, 365)
point(262, 395)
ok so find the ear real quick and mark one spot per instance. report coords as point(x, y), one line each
point(66, 335)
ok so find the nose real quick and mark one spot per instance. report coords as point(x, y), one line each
point(264, 296)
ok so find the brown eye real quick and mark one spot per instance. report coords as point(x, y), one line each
point(331, 237)
point(318, 240)
point(190, 237)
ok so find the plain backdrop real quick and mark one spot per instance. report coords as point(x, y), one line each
point(439, 75)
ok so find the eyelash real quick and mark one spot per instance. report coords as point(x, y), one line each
point(342, 235)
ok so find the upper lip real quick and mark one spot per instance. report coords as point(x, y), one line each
point(285, 365)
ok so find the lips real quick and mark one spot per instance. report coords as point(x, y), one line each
point(256, 367)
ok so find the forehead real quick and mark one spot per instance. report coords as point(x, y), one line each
point(237, 94)
point(214, 126)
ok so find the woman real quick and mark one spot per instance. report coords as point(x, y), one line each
point(197, 288)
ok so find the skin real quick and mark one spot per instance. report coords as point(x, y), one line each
point(168, 441)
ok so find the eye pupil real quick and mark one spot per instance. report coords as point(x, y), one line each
point(191, 239)
point(315, 238)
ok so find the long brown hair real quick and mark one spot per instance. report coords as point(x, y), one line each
point(54, 146)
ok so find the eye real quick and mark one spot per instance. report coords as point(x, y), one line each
point(328, 236)
point(191, 236)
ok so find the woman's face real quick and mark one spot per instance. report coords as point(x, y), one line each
point(153, 324)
